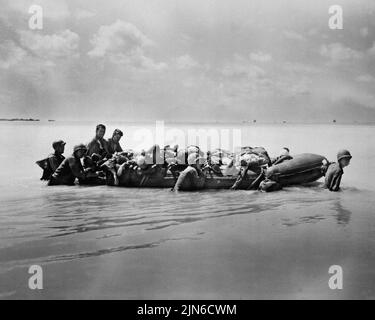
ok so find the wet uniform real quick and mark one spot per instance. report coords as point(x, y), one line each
point(98, 146)
point(55, 161)
point(333, 177)
point(113, 146)
point(187, 179)
point(50, 164)
point(70, 169)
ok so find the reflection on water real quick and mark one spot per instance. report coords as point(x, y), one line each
point(146, 209)
point(342, 214)
point(112, 213)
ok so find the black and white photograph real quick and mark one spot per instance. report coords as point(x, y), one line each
point(206, 150)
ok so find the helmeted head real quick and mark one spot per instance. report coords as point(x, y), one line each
point(246, 149)
point(100, 131)
point(79, 150)
point(117, 134)
point(343, 157)
point(141, 161)
point(59, 146)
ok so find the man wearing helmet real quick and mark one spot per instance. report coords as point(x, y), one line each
point(335, 170)
point(52, 162)
point(71, 169)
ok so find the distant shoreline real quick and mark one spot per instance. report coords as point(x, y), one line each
point(189, 122)
point(19, 119)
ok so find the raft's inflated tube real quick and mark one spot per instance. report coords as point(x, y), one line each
point(303, 168)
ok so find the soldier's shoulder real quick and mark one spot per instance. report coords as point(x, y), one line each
point(92, 141)
point(335, 168)
point(70, 159)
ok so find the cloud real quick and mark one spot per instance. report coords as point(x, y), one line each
point(364, 32)
point(186, 62)
point(146, 63)
point(260, 56)
point(290, 89)
point(354, 95)
point(246, 83)
point(83, 14)
point(122, 42)
point(313, 32)
point(10, 54)
point(60, 45)
point(371, 51)
point(301, 68)
point(337, 52)
point(55, 10)
point(292, 35)
point(118, 38)
point(365, 78)
point(241, 67)
point(119, 61)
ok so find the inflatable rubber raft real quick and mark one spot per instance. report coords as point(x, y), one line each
point(303, 168)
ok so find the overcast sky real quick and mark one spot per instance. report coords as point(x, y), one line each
point(188, 59)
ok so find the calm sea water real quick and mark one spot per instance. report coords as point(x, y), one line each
point(108, 242)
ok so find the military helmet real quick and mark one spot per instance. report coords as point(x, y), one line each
point(343, 154)
point(79, 147)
